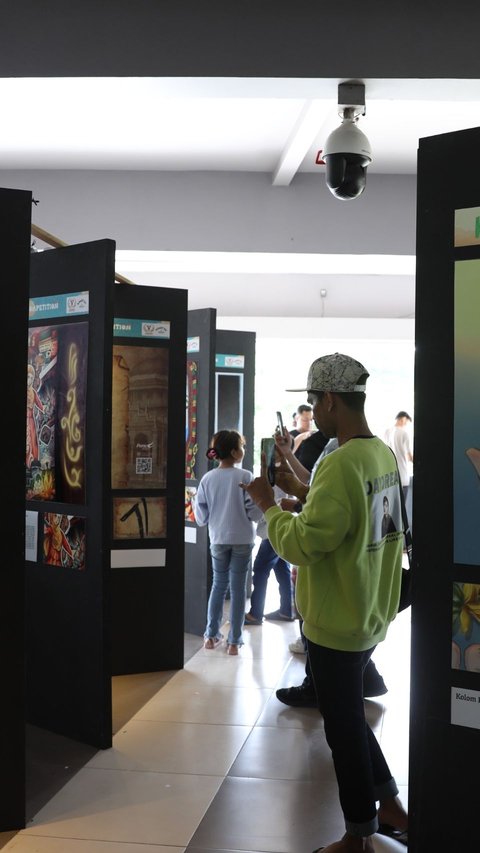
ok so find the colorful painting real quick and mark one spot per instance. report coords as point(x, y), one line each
point(56, 400)
point(139, 518)
point(466, 627)
point(139, 417)
point(190, 494)
point(466, 437)
point(191, 445)
point(64, 541)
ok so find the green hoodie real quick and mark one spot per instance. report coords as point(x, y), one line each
point(348, 582)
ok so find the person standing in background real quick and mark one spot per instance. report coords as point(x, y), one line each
point(398, 439)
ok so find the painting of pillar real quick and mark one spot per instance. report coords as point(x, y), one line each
point(139, 417)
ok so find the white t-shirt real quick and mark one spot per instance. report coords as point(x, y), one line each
point(398, 440)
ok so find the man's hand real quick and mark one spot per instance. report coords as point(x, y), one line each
point(289, 504)
point(283, 441)
point(290, 484)
point(260, 489)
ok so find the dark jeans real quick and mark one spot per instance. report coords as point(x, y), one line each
point(266, 560)
point(362, 773)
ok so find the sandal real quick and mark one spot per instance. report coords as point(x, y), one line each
point(251, 620)
point(212, 642)
point(232, 649)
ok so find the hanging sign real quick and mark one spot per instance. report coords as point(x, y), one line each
point(222, 360)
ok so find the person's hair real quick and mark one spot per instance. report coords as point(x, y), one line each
point(304, 407)
point(386, 501)
point(403, 415)
point(223, 442)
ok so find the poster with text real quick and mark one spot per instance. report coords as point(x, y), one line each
point(64, 541)
point(139, 518)
point(466, 444)
point(56, 400)
point(139, 417)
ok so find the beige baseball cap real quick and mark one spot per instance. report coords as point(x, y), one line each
point(337, 372)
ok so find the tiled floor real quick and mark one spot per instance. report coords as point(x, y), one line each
point(214, 762)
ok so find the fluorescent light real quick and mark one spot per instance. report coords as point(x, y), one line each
point(263, 262)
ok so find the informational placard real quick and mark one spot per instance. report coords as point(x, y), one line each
point(466, 708)
point(31, 536)
point(136, 557)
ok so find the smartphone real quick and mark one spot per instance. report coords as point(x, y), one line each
point(268, 448)
point(280, 423)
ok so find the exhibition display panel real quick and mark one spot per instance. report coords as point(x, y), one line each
point(445, 704)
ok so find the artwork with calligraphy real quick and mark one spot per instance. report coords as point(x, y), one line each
point(64, 541)
point(56, 397)
point(139, 417)
point(191, 445)
point(139, 518)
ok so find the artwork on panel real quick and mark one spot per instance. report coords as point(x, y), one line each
point(139, 518)
point(467, 227)
point(56, 399)
point(139, 417)
point(190, 493)
point(466, 439)
point(191, 445)
point(466, 627)
point(64, 541)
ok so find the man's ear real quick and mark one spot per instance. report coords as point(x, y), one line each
point(330, 400)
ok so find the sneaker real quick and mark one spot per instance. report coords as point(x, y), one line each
point(276, 616)
point(297, 647)
point(232, 649)
point(297, 697)
point(212, 642)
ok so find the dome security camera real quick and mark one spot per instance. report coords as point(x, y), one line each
point(347, 151)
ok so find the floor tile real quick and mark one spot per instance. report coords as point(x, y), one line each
point(271, 753)
point(270, 815)
point(236, 671)
point(168, 747)
point(34, 844)
point(190, 700)
point(125, 806)
point(275, 713)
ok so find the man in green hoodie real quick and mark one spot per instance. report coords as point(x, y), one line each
point(348, 588)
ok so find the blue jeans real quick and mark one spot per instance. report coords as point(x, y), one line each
point(266, 560)
point(230, 565)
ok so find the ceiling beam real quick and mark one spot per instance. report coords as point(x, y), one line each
point(314, 116)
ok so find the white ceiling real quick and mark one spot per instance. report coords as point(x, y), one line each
point(223, 124)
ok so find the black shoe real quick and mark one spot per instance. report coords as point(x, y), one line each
point(276, 616)
point(373, 683)
point(297, 697)
point(374, 687)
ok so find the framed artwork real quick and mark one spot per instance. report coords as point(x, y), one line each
point(191, 446)
point(56, 409)
point(466, 627)
point(64, 541)
point(190, 494)
point(139, 417)
point(139, 518)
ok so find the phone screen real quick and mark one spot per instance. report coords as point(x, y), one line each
point(280, 422)
point(268, 448)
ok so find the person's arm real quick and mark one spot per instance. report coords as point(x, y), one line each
point(201, 507)
point(284, 446)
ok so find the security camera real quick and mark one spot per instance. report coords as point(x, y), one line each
point(347, 151)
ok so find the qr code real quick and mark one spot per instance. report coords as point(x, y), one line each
point(143, 465)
